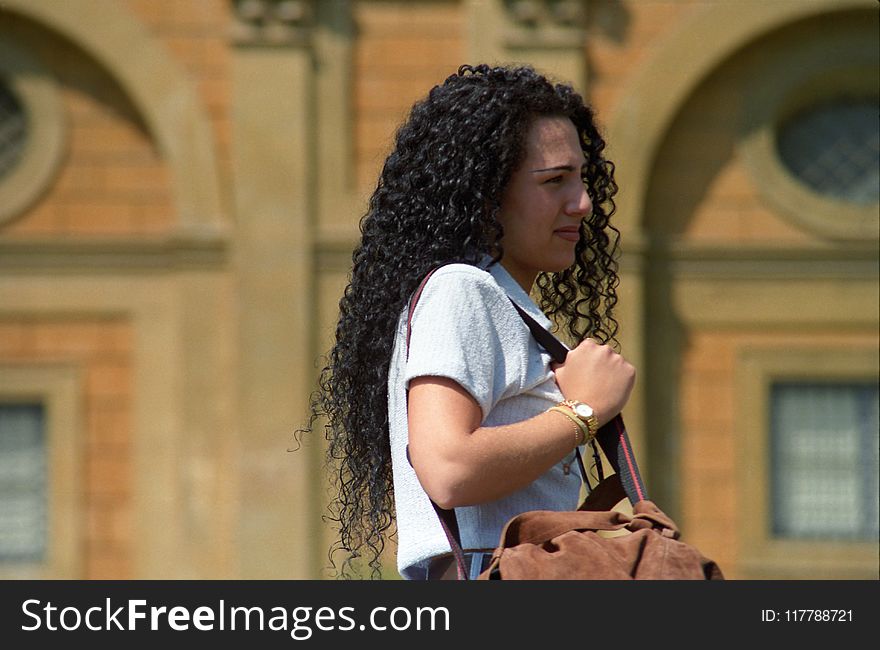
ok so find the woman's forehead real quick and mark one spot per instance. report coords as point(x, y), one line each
point(553, 141)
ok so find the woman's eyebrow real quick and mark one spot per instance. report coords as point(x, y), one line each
point(559, 168)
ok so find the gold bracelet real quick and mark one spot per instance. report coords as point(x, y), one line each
point(584, 413)
point(581, 433)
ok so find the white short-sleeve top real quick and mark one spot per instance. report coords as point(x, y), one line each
point(465, 328)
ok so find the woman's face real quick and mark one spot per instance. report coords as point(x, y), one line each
point(544, 202)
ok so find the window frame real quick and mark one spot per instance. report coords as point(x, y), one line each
point(761, 555)
point(36, 89)
point(862, 440)
point(59, 389)
point(794, 79)
point(806, 122)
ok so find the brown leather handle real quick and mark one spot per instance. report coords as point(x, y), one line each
point(539, 526)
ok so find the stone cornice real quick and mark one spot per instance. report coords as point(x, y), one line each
point(114, 255)
point(765, 263)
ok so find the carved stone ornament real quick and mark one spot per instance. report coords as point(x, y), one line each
point(545, 23)
point(272, 22)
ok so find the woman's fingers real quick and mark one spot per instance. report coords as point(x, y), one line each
point(594, 373)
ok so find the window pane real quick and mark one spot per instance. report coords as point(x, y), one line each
point(23, 499)
point(834, 148)
point(824, 450)
point(13, 130)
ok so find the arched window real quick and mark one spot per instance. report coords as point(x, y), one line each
point(833, 147)
point(812, 141)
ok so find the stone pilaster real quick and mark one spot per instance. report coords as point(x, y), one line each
point(273, 150)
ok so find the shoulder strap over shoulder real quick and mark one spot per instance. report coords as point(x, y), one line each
point(612, 437)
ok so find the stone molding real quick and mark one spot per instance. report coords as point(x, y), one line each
point(156, 254)
point(36, 89)
point(59, 388)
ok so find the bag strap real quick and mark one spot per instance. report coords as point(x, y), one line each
point(612, 437)
point(448, 521)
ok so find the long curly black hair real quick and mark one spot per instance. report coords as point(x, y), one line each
point(437, 201)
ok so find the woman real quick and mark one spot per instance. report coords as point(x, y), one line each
point(498, 178)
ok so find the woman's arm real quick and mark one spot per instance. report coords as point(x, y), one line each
point(460, 463)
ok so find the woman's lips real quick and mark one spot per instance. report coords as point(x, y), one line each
point(570, 234)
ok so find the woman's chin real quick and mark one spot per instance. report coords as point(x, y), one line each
point(561, 263)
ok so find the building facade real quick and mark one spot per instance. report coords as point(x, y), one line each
point(180, 188)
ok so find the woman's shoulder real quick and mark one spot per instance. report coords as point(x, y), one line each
point(465, 278)
point(456, 289)
point(463, 282)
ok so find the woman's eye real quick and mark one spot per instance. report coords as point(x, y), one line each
point(555, 179)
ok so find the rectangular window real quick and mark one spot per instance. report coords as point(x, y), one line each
point(824, 460)
point(23, 483)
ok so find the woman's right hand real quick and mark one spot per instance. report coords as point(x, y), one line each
point(596, 375)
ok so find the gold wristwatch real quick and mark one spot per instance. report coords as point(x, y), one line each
point(584, 413)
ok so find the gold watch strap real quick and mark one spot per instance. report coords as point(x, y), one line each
point(581, 434)
point(591, 422)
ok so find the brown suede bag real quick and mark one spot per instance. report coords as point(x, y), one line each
point(548, 545)
point(594, 542)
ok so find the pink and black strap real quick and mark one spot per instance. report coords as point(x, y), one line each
point(447, 517)
point(612, 437)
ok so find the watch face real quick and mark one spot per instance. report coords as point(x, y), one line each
point(583, 410)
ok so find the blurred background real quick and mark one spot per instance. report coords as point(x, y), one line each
point(180, 187)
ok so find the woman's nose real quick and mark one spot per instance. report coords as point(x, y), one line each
point(580, 205)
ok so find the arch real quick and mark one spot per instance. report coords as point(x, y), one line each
point(158, 88)
point(654, 96)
